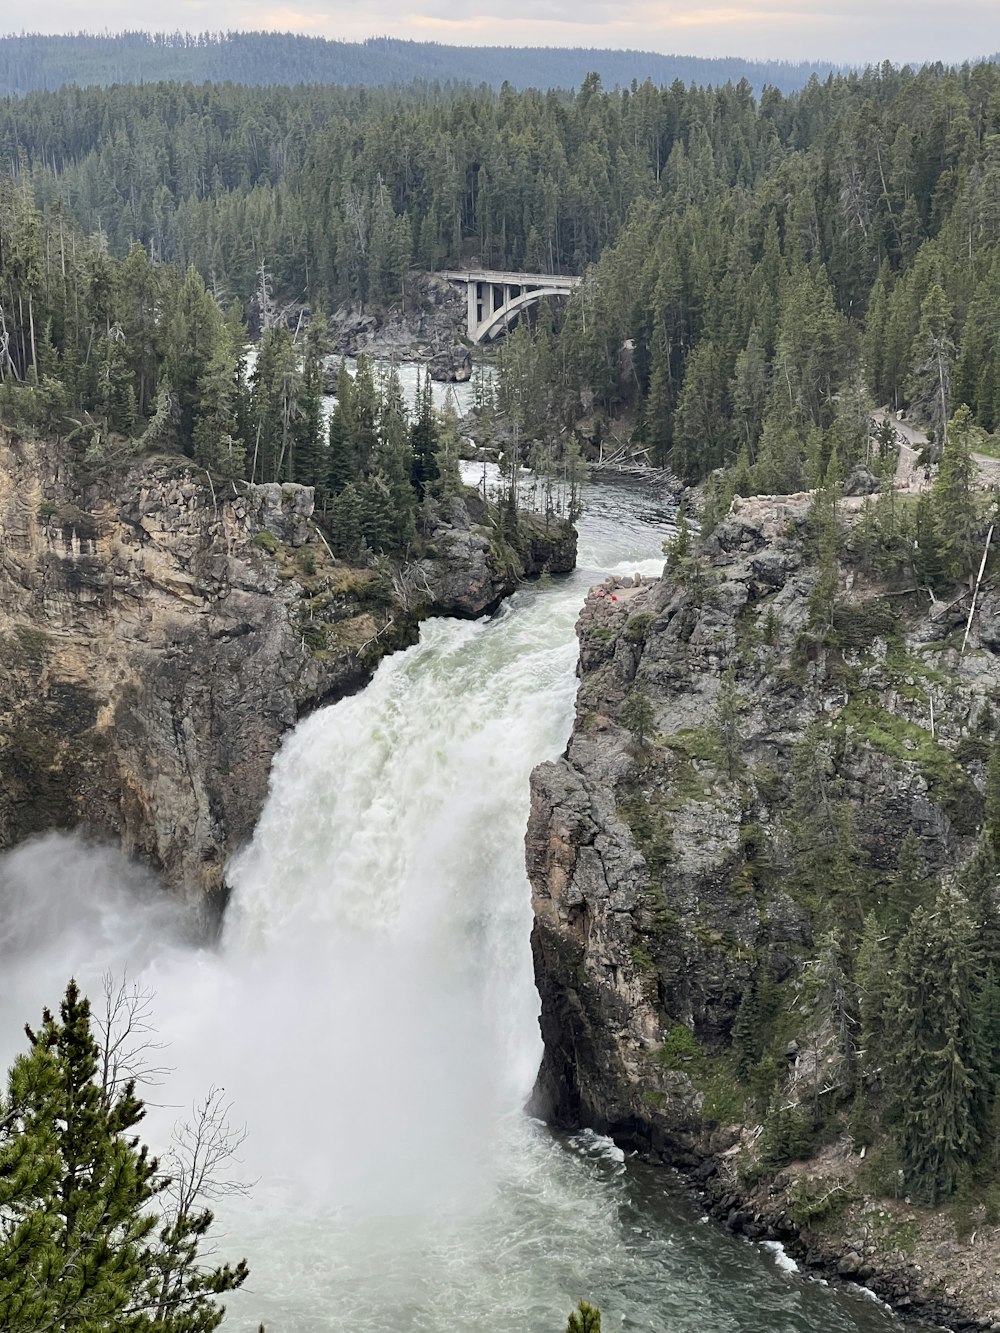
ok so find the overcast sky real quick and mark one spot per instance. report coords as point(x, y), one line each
point(848, 31)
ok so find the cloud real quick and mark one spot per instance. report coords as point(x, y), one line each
point(293, 20)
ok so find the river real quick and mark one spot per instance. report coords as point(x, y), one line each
point(371, 1013)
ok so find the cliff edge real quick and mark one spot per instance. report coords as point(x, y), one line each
point(161, 634)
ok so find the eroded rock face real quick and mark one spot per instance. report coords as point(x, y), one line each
point(158, 638)
point(662, 865)
point(430, 323)
point(470, 570)
point(452, 366)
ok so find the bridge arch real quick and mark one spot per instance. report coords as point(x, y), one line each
point(502, 318)
point(495, 299)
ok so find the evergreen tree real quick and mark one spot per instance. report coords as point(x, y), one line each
point(394, 466)
point(638, 715)
point(907, 888)
point(276, 387)
point(344, 466)
point(747, 1037)
point(424, 441)
point(310, 464)
point(956, 520)
point(346, 518)
point(216, 444)
point(727, 725)
point(79, 1247)
point(938, 1068)
point(584, 1319)
point(191, 336)
point(930, 383)
point(447, 458)
point(991, 824)
point(872, 978)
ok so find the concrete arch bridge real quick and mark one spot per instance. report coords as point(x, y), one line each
point(496, 299)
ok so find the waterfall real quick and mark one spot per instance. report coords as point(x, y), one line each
point(371, 1014)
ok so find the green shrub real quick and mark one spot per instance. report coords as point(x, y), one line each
point(637, 627)
point(266, 541)
point(679, 1048)
point(858, 625)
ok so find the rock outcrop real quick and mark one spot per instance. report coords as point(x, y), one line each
point(158, 637)
point(452, 366)
point(429, 323)
point(666, 860)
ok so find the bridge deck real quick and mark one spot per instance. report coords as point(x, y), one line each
point(513, 279)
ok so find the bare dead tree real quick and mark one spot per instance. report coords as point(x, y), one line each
point(5, 357)
point(128, 1043)
point(197, 1171)
point(202, 1153)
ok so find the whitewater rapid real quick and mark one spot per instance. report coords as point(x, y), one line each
point(371, 1014)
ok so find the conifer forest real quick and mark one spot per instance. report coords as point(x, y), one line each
point(789, 296)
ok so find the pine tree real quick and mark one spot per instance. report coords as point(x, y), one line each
point(930, 383)
point(747, 1037)
point(277, 384)
point(424, 442)
point(347, 523)
point(309, 455)
point(79, 1248)
point(216, 445)
point(447, 457)
point(366, 409)
point(939, 1072)
point(343, 464)
point(584, 1319)
point(907, 887)
point(991, 823)
point(954, 500)
point(639, 716)
point(727, 725)
point(190, 337)
point(393, 462)
point(871, 976)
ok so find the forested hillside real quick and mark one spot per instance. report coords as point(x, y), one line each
point(756, 269)
point(799, 261)
point(34, 61)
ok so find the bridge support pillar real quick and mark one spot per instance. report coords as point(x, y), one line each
point(493, 300)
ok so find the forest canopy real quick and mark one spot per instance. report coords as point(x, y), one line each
point(757, 271)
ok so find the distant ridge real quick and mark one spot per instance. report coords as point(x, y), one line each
point(33, 62)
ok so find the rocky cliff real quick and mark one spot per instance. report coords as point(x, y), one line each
point(740, 778)
point(429, 322)
point(159, 635)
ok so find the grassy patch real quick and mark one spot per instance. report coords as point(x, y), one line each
point(637, 627)
point(642, 958)
point(724, 1097)
point(697, 744)
point(651, 828)
point(905, 742)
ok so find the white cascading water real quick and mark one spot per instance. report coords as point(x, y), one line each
point(372, 1016)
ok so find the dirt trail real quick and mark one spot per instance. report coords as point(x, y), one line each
point(911, 476)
